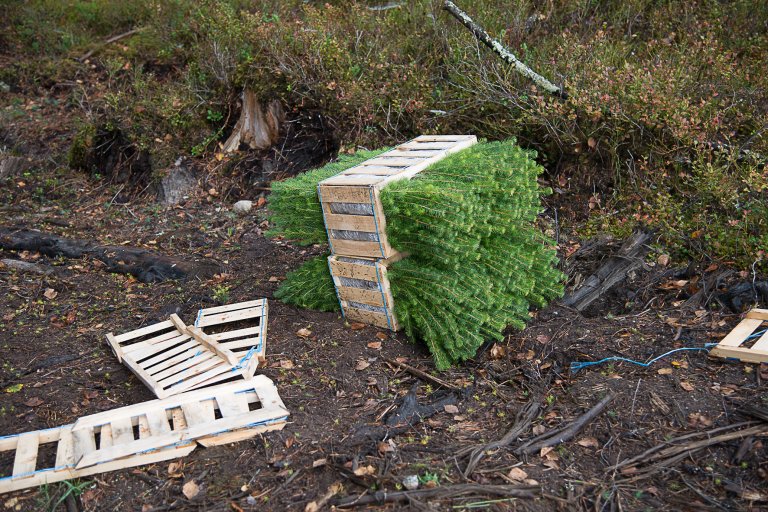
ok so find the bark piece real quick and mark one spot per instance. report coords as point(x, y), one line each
point(612, 272)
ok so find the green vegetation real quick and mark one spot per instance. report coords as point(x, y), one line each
point(665, 125)
point(476, 262)
point(310, 286)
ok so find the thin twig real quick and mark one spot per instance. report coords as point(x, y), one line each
point(524, 491)
point(564, 434)
point(423, 375)
point(113, 39)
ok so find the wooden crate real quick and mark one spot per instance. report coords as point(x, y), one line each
point(735, 344)
point(170, 357)
point(144, 433)
point(363, 290)
point(354, 217)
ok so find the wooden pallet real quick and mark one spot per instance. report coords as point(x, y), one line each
point(354, 217)
point(733, 345)
point(363, 289)
point(145, 433)
point(170, 357)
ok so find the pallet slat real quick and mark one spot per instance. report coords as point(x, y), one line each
point(733, 345)
point(376, 293)
point(25, 461)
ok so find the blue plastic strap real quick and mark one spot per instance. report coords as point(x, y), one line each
point(576, 365)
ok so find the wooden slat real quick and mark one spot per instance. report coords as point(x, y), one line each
point(739, 334)
point(122, 430)
point(415, 152)
point(356, 248)
point(202, 377)
point(368, 317)
point(25, 460)
point(376, 170)
point(232, 404)
point(237, 333)
point(143, 350)
point(239, 435)
point(361, 295)
point(334, 194)
point(742, 354)
point(394, 161)
point(361, 179)
point(158, 422)
point(205, 362)
point(196, 414)
point(115, 346)
point(212, 344)
point(239, 345)
point(352, 270)
point(83, 443)
point(229, 316)
point(144, 430)
point(761, 314)
point(105, 436)
point(65, 450)
point(443, 138)
point(233, 307)
point(138, 333)
point(351, 222)
point(761, 343)
point(175, 356)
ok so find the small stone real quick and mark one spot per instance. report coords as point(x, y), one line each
point(411, 482)
point(242, 207)
point(251, 501)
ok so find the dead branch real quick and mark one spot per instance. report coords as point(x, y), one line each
point(147, 266)
point(612, 272)
point(423, 375)
point(25, 266)
point(451, 491)
point(113, 39)
point(502, 52)
point(645, 467)
point(567, 433)
point(523, 420)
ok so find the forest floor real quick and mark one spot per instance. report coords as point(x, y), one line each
point(338, 385)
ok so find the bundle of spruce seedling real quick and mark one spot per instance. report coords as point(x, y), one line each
point(476, 261)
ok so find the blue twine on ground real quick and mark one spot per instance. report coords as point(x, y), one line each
point(576, 366)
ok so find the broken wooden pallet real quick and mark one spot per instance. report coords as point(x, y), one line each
point(734, 346)
point(352, 210)
point(145, 433)
point(170, 357)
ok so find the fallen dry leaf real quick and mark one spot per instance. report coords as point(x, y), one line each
point(546, 451)
point(362, 364)
point(50, 293)
point(174, 470)
point(663, 260)
point(34, 402)
point(665, 371)
point(451, 409)
point(382, 336)
point(376, 345)
point(319, 462)
point(356, 326)
point(687, 386)
point(304, 332)
point(190, 489)
point(517, 474)
point(497, 351)
point(364, 471)
point(542, 338)
point(286, 364)
point(538, 430)
point(274, 279)
point(696, 419)
point(588, 442)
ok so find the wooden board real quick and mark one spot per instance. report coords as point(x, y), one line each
point(748, 341)
point(189, 416)
point(363, 183)
point(171, 357)
point(375, 293)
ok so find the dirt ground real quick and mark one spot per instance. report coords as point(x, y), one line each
point(56, 367)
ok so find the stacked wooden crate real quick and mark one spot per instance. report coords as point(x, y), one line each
point(356, 225)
